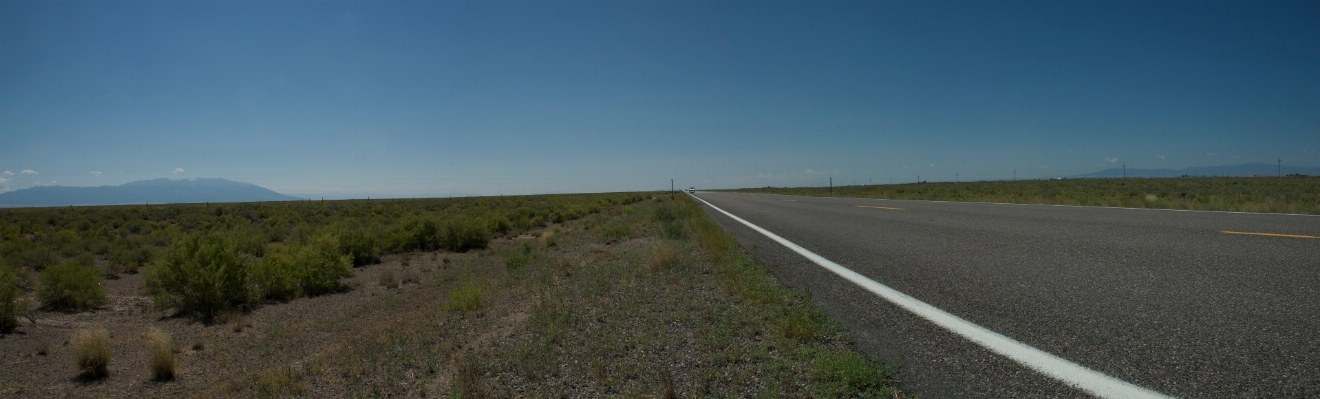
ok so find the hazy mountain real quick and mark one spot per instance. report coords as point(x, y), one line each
point(159, 191)
point(1246, 169)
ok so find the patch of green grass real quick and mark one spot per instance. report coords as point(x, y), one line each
point(467, 296)
point(848, 374)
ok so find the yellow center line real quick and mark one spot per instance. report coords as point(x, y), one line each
point(1266, 234)
point(880, 207)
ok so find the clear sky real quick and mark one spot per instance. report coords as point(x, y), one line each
point(432, 98)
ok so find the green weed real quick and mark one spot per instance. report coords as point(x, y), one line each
point(467, 296)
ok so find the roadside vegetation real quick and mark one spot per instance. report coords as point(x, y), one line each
point(650, 299)
point(1289, 194)
point(544, 296)
point(208, 259)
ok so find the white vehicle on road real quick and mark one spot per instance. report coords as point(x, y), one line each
point(692, 190)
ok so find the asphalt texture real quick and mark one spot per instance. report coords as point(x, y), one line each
point(1158, 298)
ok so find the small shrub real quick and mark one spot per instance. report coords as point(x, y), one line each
point(9, 306)
point(71, 286)
point(467, 296)
point(202, 273)
point(121, 260)
point(360, 246)
point(160, 358)
point(313, 268)
point(498, 223)
point(462, 234)
point(91, 352)
point(517, 260)
point(457, 234)
point(387, 279)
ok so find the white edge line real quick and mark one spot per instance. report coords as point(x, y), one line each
point(1073, 374)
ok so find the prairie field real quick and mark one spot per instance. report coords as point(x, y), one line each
point(1289, 194)
point(601, 295)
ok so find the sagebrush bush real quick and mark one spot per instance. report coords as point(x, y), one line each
point(497, 223)
point(71, 286)
point(463, 233)
point(9, 292)
point(311, 268)
point(160, 354)
point(458, 234)
point(128, 260)
point(202, 273)
point(360, 246)
point(275, 276)
point(91, 352)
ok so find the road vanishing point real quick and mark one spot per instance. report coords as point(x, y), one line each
point(1009, 300)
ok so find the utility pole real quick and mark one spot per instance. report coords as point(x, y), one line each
point(671, 188)
point(955, 177)
point(1125, 170)
point(831, 184)
point(1014, 174)
point(1280, 166)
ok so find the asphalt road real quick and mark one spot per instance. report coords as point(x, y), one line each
point(1160, 299)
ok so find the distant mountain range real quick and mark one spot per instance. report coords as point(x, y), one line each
point(158, 191)
point(1246, 169)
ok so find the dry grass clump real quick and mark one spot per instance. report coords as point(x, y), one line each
point(469, 379)
point(236, 320)
point(91, 351)
point(549, 238)
point(160, 357)
point(565, 267)
point(664, 257)
point(388, 279)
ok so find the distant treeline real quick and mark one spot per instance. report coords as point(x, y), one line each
point(1290, 194)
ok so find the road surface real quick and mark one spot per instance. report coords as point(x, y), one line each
point(1180, 303)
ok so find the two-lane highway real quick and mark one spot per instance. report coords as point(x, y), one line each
point(1186, 304)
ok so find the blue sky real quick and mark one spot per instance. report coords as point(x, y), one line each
point(432, 98)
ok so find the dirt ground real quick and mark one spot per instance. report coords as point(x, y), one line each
point(38, 361)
